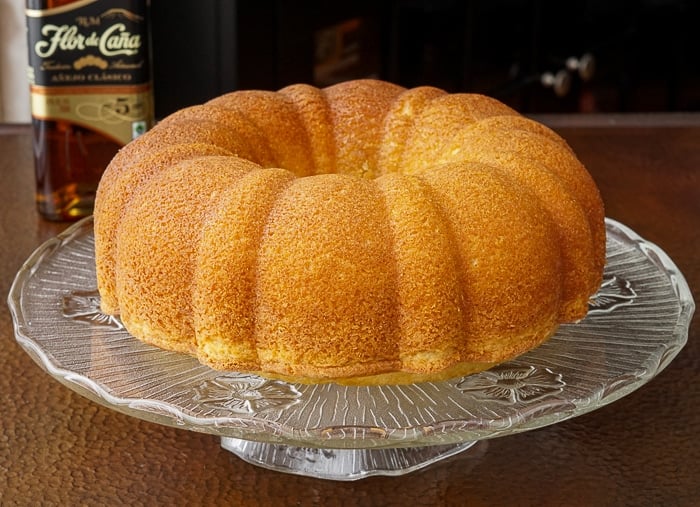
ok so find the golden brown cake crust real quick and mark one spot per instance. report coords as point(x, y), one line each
point(361, 233)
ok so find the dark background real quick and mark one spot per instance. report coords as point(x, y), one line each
point(645, 51)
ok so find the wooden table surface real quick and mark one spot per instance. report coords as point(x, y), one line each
point(58, 448)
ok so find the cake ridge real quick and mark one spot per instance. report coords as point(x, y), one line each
point(257, 266)
point(487, 311)
point(569, 220)
point(278, 122)
point(397, 120)
point(557, 159)
point(246, 135)
point(120, 194)
point(160, 277)
point(324, 162)
point(357, 121)
point(452, 303)
point(218, 271)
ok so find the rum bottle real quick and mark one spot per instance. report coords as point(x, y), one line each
point(90, 87)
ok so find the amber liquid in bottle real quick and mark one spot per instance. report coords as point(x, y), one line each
point(91, 94)
point(69, 161)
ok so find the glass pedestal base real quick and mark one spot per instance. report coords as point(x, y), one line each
point(340, 464)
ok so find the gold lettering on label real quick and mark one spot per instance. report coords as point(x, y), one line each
point(65, 38)
point(124, 43)
point(115, 40)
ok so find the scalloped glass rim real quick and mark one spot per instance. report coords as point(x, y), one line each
point(637, 324)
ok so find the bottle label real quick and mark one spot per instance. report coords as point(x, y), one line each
point(89, 64)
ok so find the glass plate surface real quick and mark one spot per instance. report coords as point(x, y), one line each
point(637, 324)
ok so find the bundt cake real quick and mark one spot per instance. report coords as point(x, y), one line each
point(362, 233)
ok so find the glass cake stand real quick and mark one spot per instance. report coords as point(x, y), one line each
point(637, 324)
